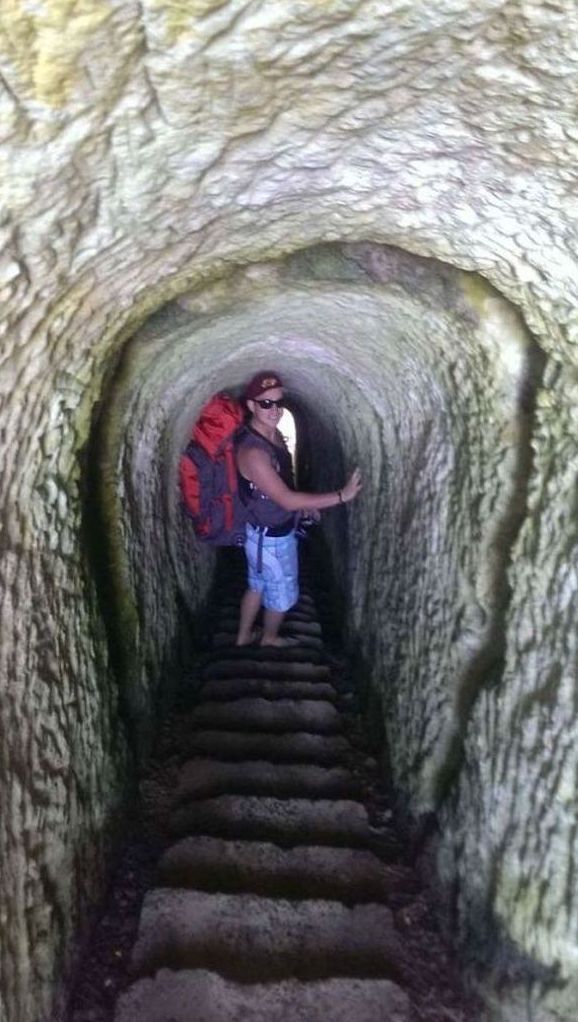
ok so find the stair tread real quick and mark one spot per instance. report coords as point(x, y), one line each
point(257, 714)
point(169, 996)
point(298, 746)
point(290, 821)
point(226, 689)
point(239, 667)
point(201, 778)
point(350, 875)
point(224, 639)
point(265, 938)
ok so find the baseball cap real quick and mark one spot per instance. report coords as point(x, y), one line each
point(260, 383)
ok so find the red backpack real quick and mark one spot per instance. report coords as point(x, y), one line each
point(208, 474)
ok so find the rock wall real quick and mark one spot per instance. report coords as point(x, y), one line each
point(149, 149)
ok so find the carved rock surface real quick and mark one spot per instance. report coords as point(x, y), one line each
point(355, 192)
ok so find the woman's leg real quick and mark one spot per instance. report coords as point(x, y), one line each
point(272, 620)
point(250, 605)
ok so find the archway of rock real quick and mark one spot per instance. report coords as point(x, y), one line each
point(422, 375)
point(419, 374)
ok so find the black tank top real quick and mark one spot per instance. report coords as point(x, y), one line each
point(263, 510)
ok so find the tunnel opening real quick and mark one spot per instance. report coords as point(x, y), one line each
point(288, 430)
point(424, 376)
point(423, 432)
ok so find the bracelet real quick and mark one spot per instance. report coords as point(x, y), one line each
point(340, 495)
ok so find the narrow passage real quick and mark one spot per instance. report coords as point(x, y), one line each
point(281, 893)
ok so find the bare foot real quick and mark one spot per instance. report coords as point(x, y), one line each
point(279, 641)
point(253, 638)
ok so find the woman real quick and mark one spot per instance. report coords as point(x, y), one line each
point(266, 487)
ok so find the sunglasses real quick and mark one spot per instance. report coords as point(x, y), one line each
point(267, 403)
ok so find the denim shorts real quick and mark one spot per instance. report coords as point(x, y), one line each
point(278, 581)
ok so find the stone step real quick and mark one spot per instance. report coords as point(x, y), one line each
point(301, 622)
point(276, 901)
point(169, 997)
point(206, 778)
point(249, 938)
point(287, 821)
point(226, 689)
point(294, 624)
point(255, 714)
point(249, 667)
point(305, 607)
point(224, 639)
point(298, 747)
point(349, 875)
point(305, 615)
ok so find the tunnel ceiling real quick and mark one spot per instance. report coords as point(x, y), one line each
point(161, 135)
point(154, 150)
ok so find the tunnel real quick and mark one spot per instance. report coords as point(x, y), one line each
point(380, 203)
